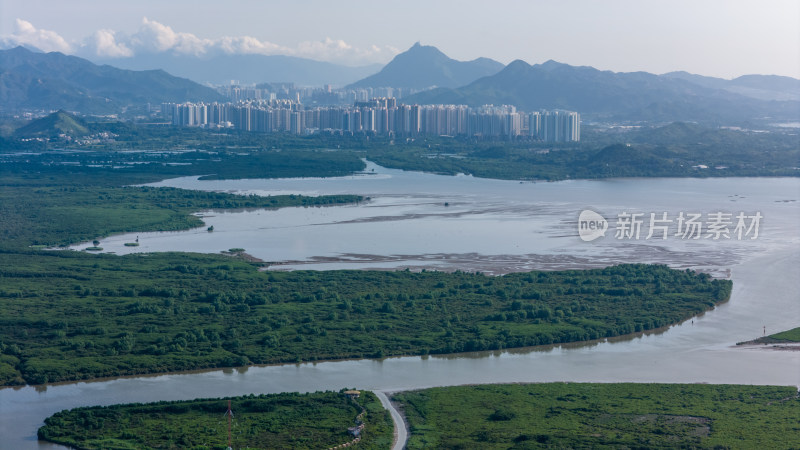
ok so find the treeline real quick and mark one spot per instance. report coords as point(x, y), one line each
point(674, 150)
point(61, 215)
point(613, 161)
point(142, 136)
point(68, 316)
point(620, 415)
point(286, 420)
point(134, 167)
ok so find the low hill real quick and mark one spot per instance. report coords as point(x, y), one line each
point(57, 123)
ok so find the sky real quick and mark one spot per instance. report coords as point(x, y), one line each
point(721, 38)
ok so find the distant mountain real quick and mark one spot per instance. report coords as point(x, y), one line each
point(424, 66)
point(56, 81)
point(762, 87)
point(636, 96)
point(57, 123)
point(248, 69)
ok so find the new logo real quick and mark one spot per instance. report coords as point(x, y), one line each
point(591, 225)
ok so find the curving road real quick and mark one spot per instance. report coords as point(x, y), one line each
point(400, 430)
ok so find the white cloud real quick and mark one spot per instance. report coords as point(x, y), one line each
point(340, 51)
point(28, 35)
point(104, 43)
point(155, 37)
point(249, 45)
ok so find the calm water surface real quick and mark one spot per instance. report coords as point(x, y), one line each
point(492, 226)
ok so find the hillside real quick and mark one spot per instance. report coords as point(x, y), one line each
point(762, 87)
point(57, 123)
point(30, 80)
point(634, 96)
point(221, 69)
point(424, 66)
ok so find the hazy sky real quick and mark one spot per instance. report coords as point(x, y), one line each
point(724, 38)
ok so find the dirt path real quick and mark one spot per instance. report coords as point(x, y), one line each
point(400, 427)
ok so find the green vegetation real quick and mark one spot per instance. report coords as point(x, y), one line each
point(119, 168)
point(675, 150)
point(61, 215)
point(61, 197)
point(558, 415)
point(287, 420)
point(33, 80)
point(792, 335)
point(785, 337)
point(51, 126)
point(68, 316)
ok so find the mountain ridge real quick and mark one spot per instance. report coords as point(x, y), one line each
point(639, 96)
point(424, 66)
point(56, 81)
point(248, 69)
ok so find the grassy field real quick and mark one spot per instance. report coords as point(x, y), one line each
point(69, 315)
point(558, 415)
point(287, 420)
point(785, 337)
point(792, 335)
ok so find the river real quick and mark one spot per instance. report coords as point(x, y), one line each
point(493, 226)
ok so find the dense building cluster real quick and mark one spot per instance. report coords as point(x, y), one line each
point(325, 95)
point(379, 116)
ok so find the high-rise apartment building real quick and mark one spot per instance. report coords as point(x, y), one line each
point(381, 116)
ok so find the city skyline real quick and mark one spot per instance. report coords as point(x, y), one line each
point(715, 38)
point(380, 116)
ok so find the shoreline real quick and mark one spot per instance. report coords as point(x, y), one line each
point(471, 355)
point(769, 343)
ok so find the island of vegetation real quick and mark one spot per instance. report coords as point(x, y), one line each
point(570, 415)
point(289, 420)
point(783, 340)
point(69, 316)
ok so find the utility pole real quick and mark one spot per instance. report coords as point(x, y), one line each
point(229, 413)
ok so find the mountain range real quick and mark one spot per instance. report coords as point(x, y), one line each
point(763, 87)
point(31, 80)
point(634, 96)
point(424, 66)
point(247, 69)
